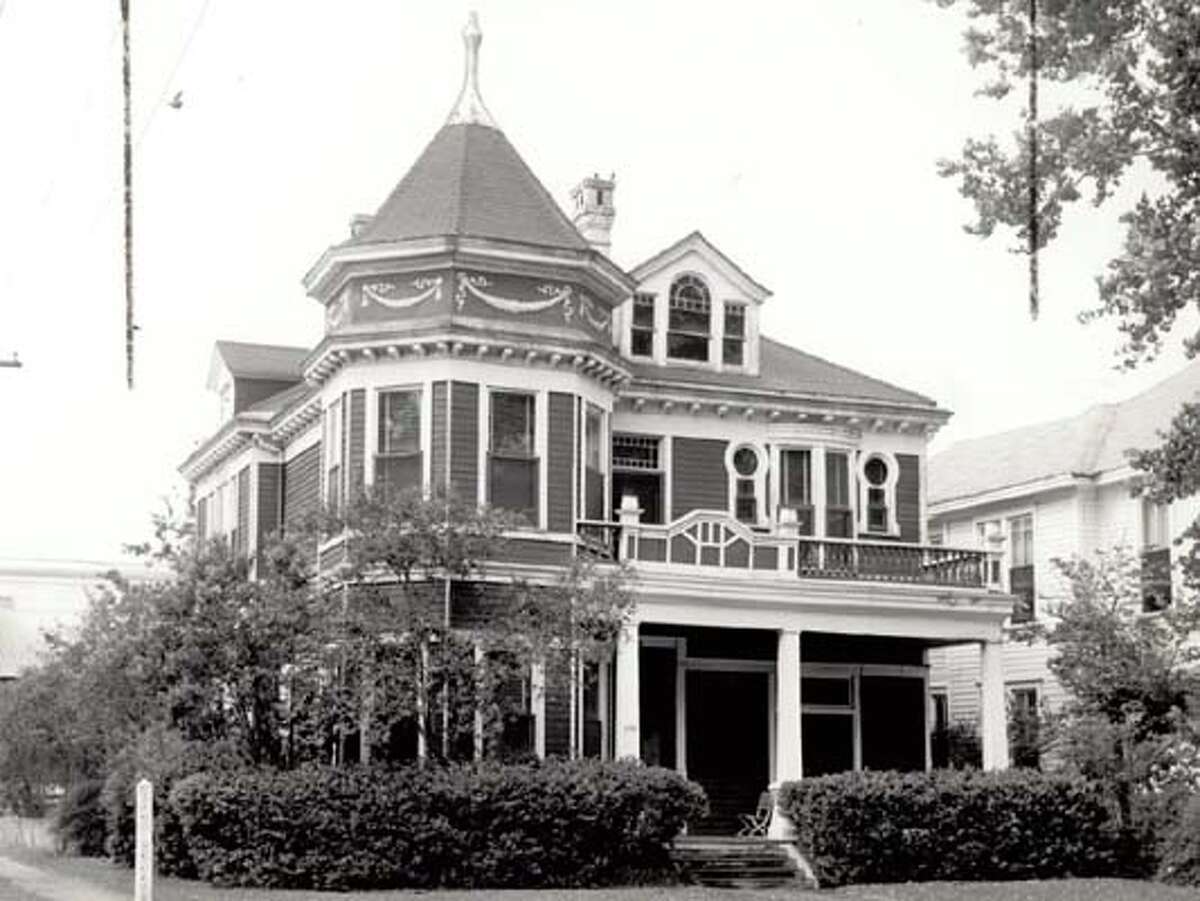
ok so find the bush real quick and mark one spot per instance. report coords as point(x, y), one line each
point(557, 823)
point(951, 825)
point(164, 757)
point(79, 820)
point(1180, 846)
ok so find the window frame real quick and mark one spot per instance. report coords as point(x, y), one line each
point(535, 513)
point(687, 279)
point(643, 300)
point(806, 512)
point(333, 462)
point(845, 510)
point(378, 454)
point(891, 526)
point(755, 481)
point(740, 340)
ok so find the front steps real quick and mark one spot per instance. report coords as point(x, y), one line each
point(728, 862)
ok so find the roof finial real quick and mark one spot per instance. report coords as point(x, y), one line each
point(469, 108)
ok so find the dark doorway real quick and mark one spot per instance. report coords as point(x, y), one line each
point(645, 486)
point(893, 723)
point(727, 751)
point(657, 688)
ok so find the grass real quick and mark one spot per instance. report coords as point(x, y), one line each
point(119, 881)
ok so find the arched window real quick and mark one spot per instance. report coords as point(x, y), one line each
point(689, 323)
point(747, 469)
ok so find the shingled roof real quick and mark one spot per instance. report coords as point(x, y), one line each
point(1087, 444)
point(787, 369)
point(471, 182)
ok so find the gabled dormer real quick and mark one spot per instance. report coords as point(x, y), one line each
point(693, 307)
point(242, 375)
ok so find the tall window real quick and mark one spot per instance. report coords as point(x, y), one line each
point(637, 470)
point(1156, 556)
point(989, 537)
point(513, 463)
point(745, 468)
point(332, 443)
point(734, 345)
point(593, 472)
point(876, 473)
point(398, 456)
point(1020, 572)
point(839, 514)
point(641, 335)
point(797, 486)
point(689, 319)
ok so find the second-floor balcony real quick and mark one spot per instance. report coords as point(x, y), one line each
point(715, 540)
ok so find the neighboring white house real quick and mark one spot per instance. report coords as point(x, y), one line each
point(39, 595)
point(1047, 491)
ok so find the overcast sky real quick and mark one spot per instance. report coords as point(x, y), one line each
point(800, 137)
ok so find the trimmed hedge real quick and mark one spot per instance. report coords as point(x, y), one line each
point(558, 823)
point(951, 825)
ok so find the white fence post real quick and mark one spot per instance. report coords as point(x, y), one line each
point(143, 878)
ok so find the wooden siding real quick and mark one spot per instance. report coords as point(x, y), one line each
point(699, 480)
point(356, 424)
point(533, 552)
point(268, 483)
point(560, 464)
point(464, 440)
point(301, 485)
point(438, 439)
point(243, 512)
point(908, 497)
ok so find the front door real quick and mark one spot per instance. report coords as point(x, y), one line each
point(727, 749)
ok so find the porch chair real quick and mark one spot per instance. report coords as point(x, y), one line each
point(755, 824)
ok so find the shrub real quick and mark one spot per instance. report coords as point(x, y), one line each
point(1180, 846)
point(951, 825)
point(557, 823)
point(164, 757)
point(79, 820)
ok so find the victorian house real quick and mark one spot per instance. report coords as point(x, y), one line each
point(1050, 491)
point(772, 503)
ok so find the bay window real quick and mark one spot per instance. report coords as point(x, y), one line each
point(332, 449)
point(398, 464)
point(513, 462)
point(593, 470)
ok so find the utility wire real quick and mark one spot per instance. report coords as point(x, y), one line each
point(1033, 162)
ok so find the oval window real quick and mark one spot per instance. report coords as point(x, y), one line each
point(876, 471)
point(745, 461)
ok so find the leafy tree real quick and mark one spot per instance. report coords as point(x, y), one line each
point(1130, 677)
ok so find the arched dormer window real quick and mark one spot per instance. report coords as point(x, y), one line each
point(689, 323)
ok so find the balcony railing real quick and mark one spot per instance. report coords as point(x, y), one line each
point(714, 539)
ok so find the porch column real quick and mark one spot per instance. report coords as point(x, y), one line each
point(537, 705)
point(788, 745)
point(994, 715)
point(628, 737)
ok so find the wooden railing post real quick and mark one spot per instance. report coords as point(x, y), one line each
point(629, 515)
point(789, 530)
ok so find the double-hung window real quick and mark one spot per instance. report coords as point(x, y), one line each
point(513, 463)
point(990, 537)
point(689, 320)
point(1020, 571)
point(734, 342)
point(593, 465)
point(797, 486)
point(332, 449)
point(638, 471)
point(641, 332)
point(1156, 556)
point(839, 512)
point(398, 464)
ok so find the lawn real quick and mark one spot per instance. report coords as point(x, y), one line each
point(118, 881)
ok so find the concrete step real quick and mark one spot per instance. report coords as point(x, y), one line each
point(734, 862)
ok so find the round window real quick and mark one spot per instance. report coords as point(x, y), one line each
point(745, 461)
point(875, 471)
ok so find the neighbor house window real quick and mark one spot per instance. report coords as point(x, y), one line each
point(839, 514)
point(990, 537)
point(689, 319)
point(1020, 572)
point(332, 443)
point(734, 343)
point(513, 462)
point(1156, 556)
point(398, 454)
point(1023, 729)
point(797, 486)
point(745, 469)
point(641, 333)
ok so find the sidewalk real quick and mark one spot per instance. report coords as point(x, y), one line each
point(53, 887)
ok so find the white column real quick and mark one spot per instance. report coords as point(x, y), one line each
point(629, 742)
point(537, 706)
point(995, 718)
point(788, 743)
